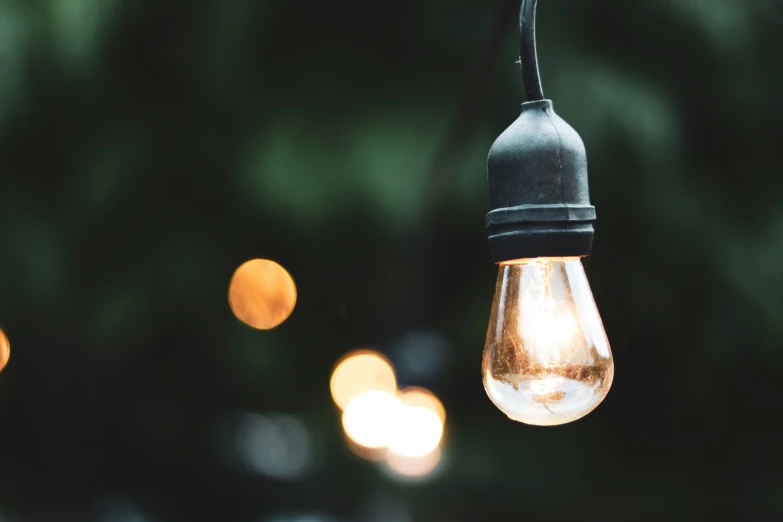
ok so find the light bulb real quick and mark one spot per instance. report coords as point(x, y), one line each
point(547, 360)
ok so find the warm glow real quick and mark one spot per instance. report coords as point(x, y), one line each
point(371, 418)
point(545, 323)
point(547, 360)
point(413, 467)
point(403, 426)
point(371, 454)
point(262, 294)
point(422, 398)
point(5, 350)
point(417, 432)
point(360, 372)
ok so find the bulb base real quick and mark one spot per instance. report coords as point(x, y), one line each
point(538, 191)
point(526, 241)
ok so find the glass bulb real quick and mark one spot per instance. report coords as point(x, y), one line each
point(547, 360)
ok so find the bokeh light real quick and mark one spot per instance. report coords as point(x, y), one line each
point(371, 454)
point(274, 445)
point(371, 418)
point(5, 350)
point(423, 398)
point(360, 372)
point(413, 468)
point(262, 294)
point(417, 432)
point(401, 429)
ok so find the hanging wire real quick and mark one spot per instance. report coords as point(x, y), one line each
point(527, 51)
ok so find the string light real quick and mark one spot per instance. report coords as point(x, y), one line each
point(547, 359)
point(417, 432)
point(262, 294)
point(359, 372)
point(370, 419)
point(413, 467)
point(423, 398)
point(5, 350)
point(404, 428)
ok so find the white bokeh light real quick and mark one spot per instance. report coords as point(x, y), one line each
point(371, 418)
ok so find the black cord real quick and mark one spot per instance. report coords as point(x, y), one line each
point(527, 51)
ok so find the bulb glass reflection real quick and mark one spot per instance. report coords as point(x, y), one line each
point(547, 360)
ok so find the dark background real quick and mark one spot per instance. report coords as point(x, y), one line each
point(148, 148)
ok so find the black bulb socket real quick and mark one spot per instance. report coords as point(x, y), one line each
point(538, 193)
